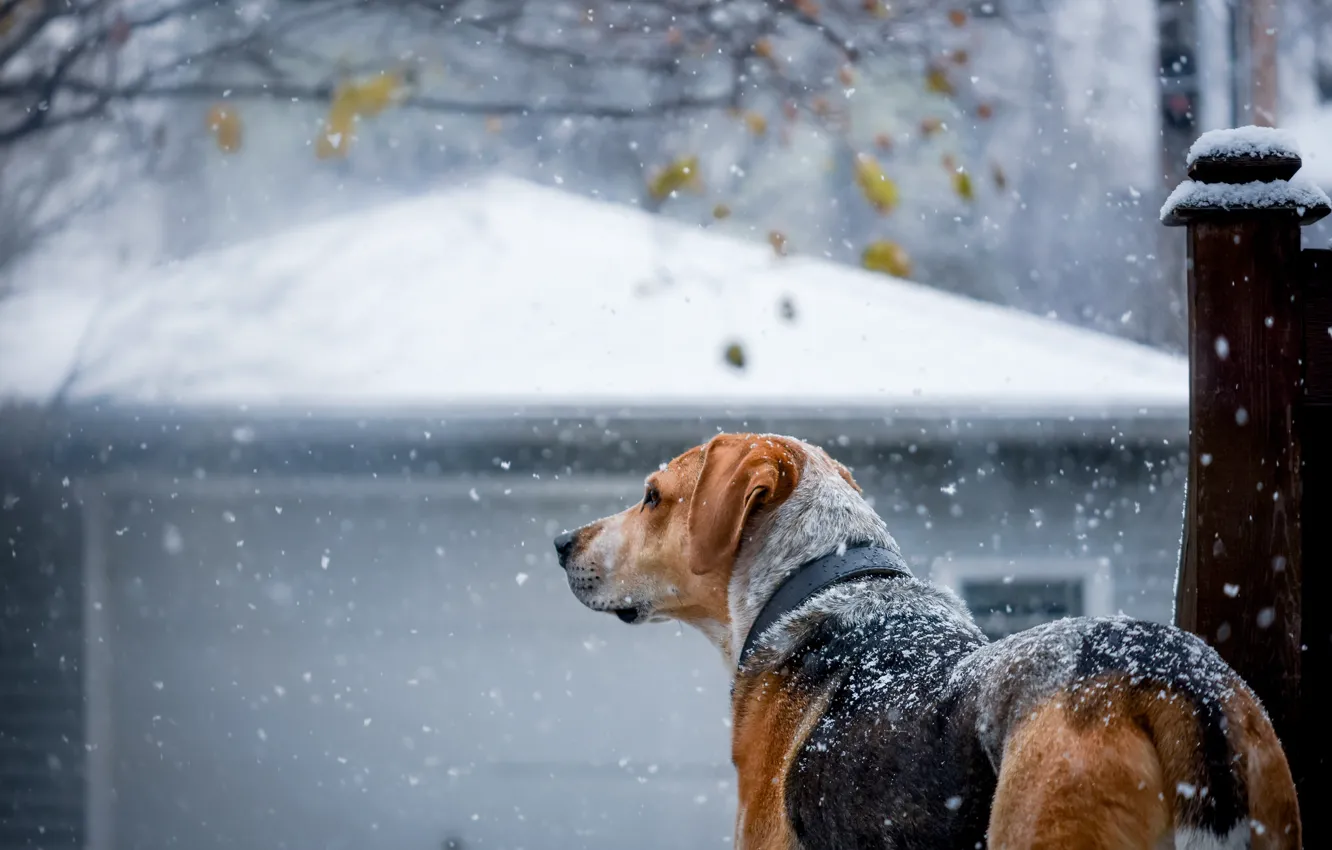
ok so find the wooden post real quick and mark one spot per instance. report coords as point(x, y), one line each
point(1245, 534)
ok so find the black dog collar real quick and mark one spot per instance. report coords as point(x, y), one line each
point(818, 575)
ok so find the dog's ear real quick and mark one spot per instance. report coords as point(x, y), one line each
point(742, 474)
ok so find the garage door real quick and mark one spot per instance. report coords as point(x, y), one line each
point(343, 666)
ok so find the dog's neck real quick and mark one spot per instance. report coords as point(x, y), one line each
point(824, 513)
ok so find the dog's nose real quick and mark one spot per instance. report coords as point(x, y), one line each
point(564, 545)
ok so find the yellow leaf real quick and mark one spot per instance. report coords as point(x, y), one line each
point(225, 125)
point(351, 102)
point(936, 81)
point(757, 124)
point(777, 240)
point(734, 355)
point(887, 257)
point(962, 185)
point(878, 189)
point(721, 211)
point(680, 174)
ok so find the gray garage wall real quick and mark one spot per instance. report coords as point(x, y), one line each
point(314, 669)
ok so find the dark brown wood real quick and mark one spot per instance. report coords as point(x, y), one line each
point(1240, 576)
point(1215, 169)
point(1318, 328)
point(1311, 750)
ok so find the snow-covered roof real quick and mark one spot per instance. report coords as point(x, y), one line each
point(506, 293)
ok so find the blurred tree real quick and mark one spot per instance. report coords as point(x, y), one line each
point(929, 125)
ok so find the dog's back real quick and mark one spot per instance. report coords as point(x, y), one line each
point(1096, 734)
point(1114, 733)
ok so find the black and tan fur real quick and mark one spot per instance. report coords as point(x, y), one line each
point(876, 714)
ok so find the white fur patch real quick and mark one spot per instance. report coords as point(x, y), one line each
point(1196, 839)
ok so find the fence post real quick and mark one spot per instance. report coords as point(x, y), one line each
point(1243, 556)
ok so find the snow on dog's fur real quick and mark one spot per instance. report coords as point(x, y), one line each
point(875, 714)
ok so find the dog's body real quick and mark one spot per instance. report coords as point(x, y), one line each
point(875, 714)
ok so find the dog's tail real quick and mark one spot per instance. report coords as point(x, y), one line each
point(1226, 779)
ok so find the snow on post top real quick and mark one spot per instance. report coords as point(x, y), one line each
point(1244, 142)
point(1302, 197)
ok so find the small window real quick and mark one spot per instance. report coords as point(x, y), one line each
point(1008, 595)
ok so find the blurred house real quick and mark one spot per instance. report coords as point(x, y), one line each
point(279, 571)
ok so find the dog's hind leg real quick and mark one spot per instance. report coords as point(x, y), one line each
point(1069, 785)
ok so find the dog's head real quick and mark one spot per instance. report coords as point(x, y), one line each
point(671, 555)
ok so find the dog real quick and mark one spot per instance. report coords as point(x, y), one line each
point(869, 711)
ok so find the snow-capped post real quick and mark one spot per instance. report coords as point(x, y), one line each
point(1249, 528)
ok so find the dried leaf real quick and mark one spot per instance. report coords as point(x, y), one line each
point(1000, 178)
point(949, 162)
point(846, 75)
point(494, 124)
point(808, 8)
point(984, 111)
point(224, 124)
point(679, 174)
point(721, 211)
point(887, 257)
point(936, 81)
point(930, 126)
point(878, 189)
point(791, 110)
point(957, 17)
point(883, 142)
point(962, 185)
point(877, 8)
point(674, 36)
point(960, 57)
point(351, 102)
point(777, 240)
point(757, 124)
point(734, 355)
point(763, 48)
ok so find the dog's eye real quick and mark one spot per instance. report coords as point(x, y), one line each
point(652, 497)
